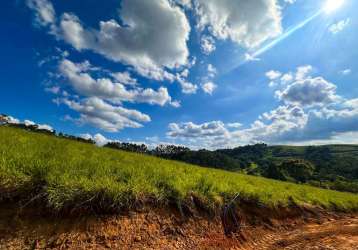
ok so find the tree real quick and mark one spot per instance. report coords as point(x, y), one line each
point(298, 169)
point(169, 150)
point(130, 147)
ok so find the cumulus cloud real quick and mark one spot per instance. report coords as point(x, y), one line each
point(103, 115)
point(186, 86)
point(207, 83)
point(207, 45)
point(192, 130)
point(339, 26)
point(83, 83)
point(212, 71)
point(279, 79)
point(45, 127)
point(99, 139)
point(277, 122)
point(303, 71)
point(53, 89)
point(273, 75)
point(124, 78)
point(209, 87)
point(248, 23)
point(153, 37)
point(29, 123)
point(308, 92)
point(44, 12)
point(286, 78)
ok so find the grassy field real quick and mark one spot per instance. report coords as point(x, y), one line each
point(68, 174)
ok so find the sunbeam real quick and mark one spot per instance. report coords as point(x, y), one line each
point(285, 35)
point(329, 7)
point(273, 43)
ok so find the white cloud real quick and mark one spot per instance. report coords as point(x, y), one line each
point(234, 125)
point(185, 73)
point(303, 71)
point(175, 104)
point(209, 87)
point(273, 75)
point(186, 86)
point(277, 122)
point(248, 23)
point(45, 127)
point(251, 58)
point(339, 26)
point(212, 71)
point(53, 89)
point(124, 78)
point(86, 136)
point(207, 45)
point(192, 130)
point(308, 92)
point(290, 1)
point(345, 72)
point(103, 115)
point(99, 139)
point(44, 12)
point(154, 36)
point(84, 84)
point(29, 123)
point(12, 120)
point(278, 79)
point(286, 78)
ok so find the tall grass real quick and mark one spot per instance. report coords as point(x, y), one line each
point(69, 174)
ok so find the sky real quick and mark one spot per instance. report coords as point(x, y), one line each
point(201, 73)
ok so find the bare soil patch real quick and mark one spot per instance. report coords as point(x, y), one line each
point(159, 228)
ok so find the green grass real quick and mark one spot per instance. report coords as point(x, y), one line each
point(69, 174)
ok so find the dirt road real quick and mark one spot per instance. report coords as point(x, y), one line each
point(334, 234)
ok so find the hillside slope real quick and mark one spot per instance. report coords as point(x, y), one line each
point(329, 166)
point(68, 175)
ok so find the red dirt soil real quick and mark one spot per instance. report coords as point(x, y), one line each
point(167, 229)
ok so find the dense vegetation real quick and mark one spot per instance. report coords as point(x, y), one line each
point(67, 174)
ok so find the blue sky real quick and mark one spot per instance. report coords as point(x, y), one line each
point(200, 73)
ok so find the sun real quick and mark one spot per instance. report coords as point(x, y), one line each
point(332, 5)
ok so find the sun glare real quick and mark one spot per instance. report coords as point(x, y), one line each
point(332, 5)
